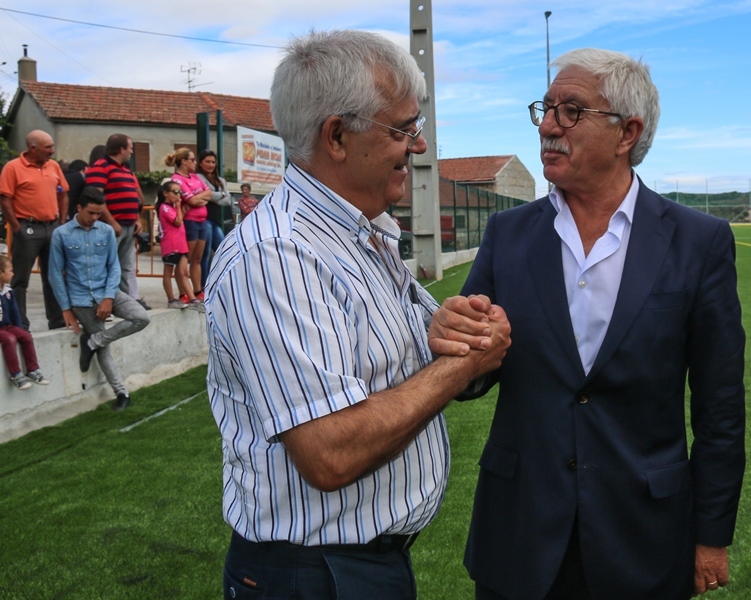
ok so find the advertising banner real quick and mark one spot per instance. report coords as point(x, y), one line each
point(260, 159)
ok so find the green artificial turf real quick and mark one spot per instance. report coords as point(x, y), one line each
point(90, 511)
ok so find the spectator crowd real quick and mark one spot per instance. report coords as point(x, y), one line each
point(81, 223)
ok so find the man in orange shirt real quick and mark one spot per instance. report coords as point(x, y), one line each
point(34, 200)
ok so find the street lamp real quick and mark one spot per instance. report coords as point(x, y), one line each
point(547, 40)
point(547, 44)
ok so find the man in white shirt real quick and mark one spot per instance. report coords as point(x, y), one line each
point(320, 377)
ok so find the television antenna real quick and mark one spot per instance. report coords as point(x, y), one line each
point(193, 70)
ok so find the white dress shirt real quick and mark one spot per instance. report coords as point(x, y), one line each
point(592, 281)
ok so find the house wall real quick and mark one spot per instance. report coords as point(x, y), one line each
point(28, 118)
point(74, 140)
point(515, 181)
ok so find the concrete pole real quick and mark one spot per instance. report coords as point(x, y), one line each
point(426, 222)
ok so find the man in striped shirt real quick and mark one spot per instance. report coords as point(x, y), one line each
point(320, 377)
point(113, 176)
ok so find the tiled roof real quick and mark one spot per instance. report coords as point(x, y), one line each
point(474, 169)
point(66, 102)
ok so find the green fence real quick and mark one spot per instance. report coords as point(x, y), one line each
point(465, 211)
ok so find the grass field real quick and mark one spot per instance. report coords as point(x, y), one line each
point(109, 506)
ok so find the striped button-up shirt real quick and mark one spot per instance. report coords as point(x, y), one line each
point(305, 317)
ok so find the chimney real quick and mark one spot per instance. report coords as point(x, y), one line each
point(27, 67)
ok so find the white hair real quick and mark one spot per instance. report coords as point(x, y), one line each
point(341, 73)
point(626, 85)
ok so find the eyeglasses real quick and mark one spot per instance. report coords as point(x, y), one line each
point(177, 192)
point(419, 124)
point(566, 113)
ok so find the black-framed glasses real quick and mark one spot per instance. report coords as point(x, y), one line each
point(566, 113)
point(419, 125)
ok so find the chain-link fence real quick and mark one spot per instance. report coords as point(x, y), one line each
point(464, 213)
point(734, 207)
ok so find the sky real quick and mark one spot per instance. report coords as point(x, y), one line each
point(489, 58)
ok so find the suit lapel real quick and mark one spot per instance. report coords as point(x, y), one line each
point(546, 267)
point(647, 247)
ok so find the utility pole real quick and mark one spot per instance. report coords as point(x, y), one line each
point(426, 221)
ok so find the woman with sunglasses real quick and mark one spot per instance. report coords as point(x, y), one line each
point(195, 197)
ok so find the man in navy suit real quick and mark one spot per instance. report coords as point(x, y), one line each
point(616, 296)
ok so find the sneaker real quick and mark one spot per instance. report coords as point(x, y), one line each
point(176, 304)
point(37, 377)
point(199, 296)
point(122, 402)
point(196, 304)
point(184, 299)
point(84, 361)
point(142, 302)
point(20, 381)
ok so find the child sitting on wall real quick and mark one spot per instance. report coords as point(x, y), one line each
point(12, 333)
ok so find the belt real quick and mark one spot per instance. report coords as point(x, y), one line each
point(379, 545)
point(33, 221)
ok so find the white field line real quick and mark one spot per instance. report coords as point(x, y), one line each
point(427, 285)
point(160, 413)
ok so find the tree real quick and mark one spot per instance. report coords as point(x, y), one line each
point(6, 153)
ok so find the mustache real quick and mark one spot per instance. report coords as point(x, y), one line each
point(555, 145)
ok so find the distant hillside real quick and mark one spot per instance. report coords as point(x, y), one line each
point(733, 206)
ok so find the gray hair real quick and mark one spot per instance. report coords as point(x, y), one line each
point(341, 73)
point(626, 85)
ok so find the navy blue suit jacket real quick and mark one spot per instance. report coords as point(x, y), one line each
point(611, 445)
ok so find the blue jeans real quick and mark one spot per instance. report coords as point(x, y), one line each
point(280, 570)
point(134, 318)
point(216, 236)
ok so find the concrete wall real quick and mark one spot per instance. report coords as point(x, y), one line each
point(173, 342)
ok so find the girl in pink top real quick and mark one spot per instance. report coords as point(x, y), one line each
point(174, 247)
point(195, 196)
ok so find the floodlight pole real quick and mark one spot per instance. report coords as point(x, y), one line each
point(547, 45)
point(547, 40)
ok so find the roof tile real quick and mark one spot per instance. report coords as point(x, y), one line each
point(63, 102)
point(475, 168)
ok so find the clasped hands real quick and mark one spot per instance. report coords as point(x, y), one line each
point(471, 325)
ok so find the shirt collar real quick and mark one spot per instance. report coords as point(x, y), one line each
point(337, 208)
point(112, 161)
point(625, 210)
point(27, 163)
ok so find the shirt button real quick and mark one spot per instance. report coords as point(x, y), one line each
point(571, 464)
point(582, 284)
point(583, 398)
